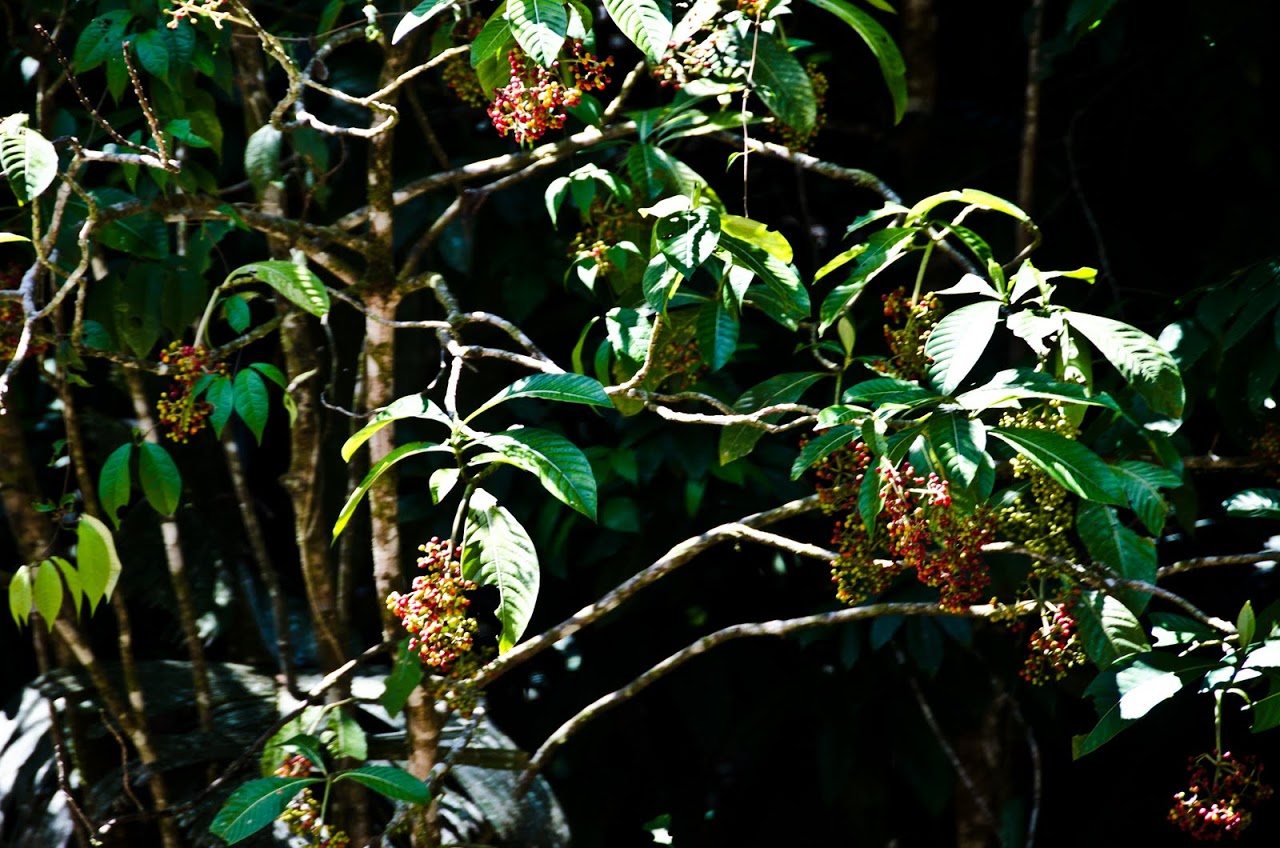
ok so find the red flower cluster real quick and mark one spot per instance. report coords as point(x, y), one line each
point(1218, 797)
point(302, 816)
point(180, 412)
point(435, 612)
point(1054, 646)
point(533, 102)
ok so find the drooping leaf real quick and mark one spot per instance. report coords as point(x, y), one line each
point(882, 47)
point(71, 577)
point(419, 15)
point(251, 401)
point(441, 483)
point(47, 591)
point(717, 334)
point(20, 596)
point(960, 443)
point(1254, 503)
point(759, 234)
point(161, 481)
point(96, 559)
point(644, 23)
point(377, 470)
point(882, 390)
point(255, 805)
point(406, 674)
point(688, 238)
point(1014, 384)
point(737, 440)
point(1119, 548)
point(236, 310)
point(783, 84)
point(1132, 691)
point(262, 157)
point(539, 26)
point(958, 342)
point(490, 43)
point(498, 552)
point(306, 745)
point(114, 483)
point(1139, 358)
point(1142, 483)
point(780, 278)
point(1109, 630)
point(823, 444)
point(659, 282)
point(295, 282)
point(222, 394)
point(409, 406)
point(1068, 462)
point(349, 739)
point(971, 284)
point(566, 388)
point(100, 40)
point(558, 464)
point(881, 250)
point(390, 782)
point(27, 158)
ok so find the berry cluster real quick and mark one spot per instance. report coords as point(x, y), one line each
point(303, 815)
point(1039, 518)
point(590, 73)
point(802, 141)
point(192, 9)
point(1054, 647)
point(179, 410)
point(908, 323)
point(692, 60)
point(605, 225)
point(535, 99)
point(11, 320)
point(1217, 799)
point(457, 71)
point(917, 526)
point(435, 611)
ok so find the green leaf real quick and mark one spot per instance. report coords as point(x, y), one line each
point(27, 158)
point(1246, 625)
point(406, 674)
point(823, 444)
point(558, 464)
point(759, 234)
point(114, 484)
point(377, 470)
point(160, 478)
point(882, 390)
point(251, 401)
point(1142, 482)
point(236, 310)
point(306, 745)
point(409, 406)
point(20, 597)
point(1136, 689)
point(6, 238)
point(1254, 503)
point(1014, 384)
point(717, 334)
point(1148, 367)
point(72, 578)
point(688, 238)
point(958, 342)
point(1266, 712)
point(869, 501)
point(882, 46)
point(780, 278)
point(783, 84)
point(441, 483)
point(1109, 630)
point(390, 782)
point(144, 234)
point(881, 251)
point(349, 739)
point(293, 281)
point(1119, 548)
point(262, 158)
point(1070, 463)
point(255, 805)
point(419, 15)
point(644, 23)
point(539, 27)
point(659, 282)
point(566, 388)
point(162, 50)
point(969, 197)
point(271, 372)
point(100, 40)
point(1265, 656)
point(737, 440)
point(491, 42)
point(222, 394)
point(971, 284)
point(960, 443)
point(498, 552)
point(97, 560)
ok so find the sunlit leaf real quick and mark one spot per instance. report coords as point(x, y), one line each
point(498, 552)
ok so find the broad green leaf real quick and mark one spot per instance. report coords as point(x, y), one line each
point(441, 483)
point(1254, 503)
point(256, 805)
point(377, 470)
point(1246, 625)
point(969, 197)
point(960, 444)
point(1119, 548)
point(869, 501)
point(1142, 483)
point(222, 394)
point(306, 745)
point(971, 284)
point(349, 739)
point(644, 23)
point(688, 238)
point(271, 372)
point(882, 47)
point(717, 334)
point(539, 27)
point(659, 282)
point(144, 234)
point(1266, 712)
point(252, 402)
point(491, 42)
point(162, 50)
point(958, 342)
point(823, 444)
point(97, 560)
point(1265, 656)
point(840, 260)
point(20, 597)
point(889, 210)
point(780, 278)
point(390, 782)
point(160, 478)
point(1014, 384)
point(558, 464)
point(100, 40)
point(293, 281)
point(409, 406)
point(1070, 463)
point(881, 251)
point(782, 83)
point(72, 578)
point(114, 484)
point(27, 158)
point(136, 300)
point(406, 674)
point(1108, 629)
point(498, 552)
point(834, 416)
point(1138, 357)
point(1136, 689)
point(262, 157)
point(881, 390)
point(737, 440)
point(419, 15)
point(759, 234)
point(236, 310)
point(566, 388)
